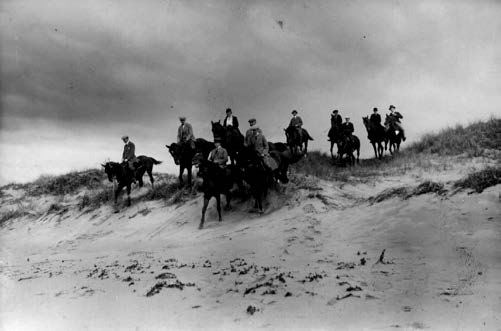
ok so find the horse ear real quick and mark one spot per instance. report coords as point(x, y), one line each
point(168, 146)
point(102, 165)
point(285, 130)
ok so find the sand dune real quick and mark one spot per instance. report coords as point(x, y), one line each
point(312, 261)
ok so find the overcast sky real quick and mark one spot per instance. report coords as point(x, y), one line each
point(77, 75)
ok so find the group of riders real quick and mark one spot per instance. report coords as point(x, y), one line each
point(346, 128)
point(255, 139)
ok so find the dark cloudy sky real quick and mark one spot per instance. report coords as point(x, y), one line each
point(77, 75)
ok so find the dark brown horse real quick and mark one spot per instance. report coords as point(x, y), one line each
point(145, 164)
point(348, 146)
point(297, 139)
point(376, 135)
point(125, 177)
point(216, 181)
point(335, 135)
point(394, 136)
point(255, 174)
point(184, 154)
point(231, 139)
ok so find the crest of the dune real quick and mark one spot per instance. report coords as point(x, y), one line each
point(409, 241)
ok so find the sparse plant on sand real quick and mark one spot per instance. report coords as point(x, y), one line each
point(480, 180)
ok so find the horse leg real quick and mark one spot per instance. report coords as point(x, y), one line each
point(189, 176)
point(204, 209)
point(306, 146)
point(332, 147)
point(218, 205)
point(228, 199)
point(117, 193)
point(181, 170)
point(260, 203)
point(374, 146)
point(128, 194)
point(150, 174)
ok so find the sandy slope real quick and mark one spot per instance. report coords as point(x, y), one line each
point(318, 243)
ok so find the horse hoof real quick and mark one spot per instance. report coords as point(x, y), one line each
point(220, 220)
point(200, 227)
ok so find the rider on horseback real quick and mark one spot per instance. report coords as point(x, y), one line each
point(395, 117)
point(375, 119)
point(230, 121)
point(348, 129)
point(219, 155)
point(254, 138)
point(185, 133)
point(129, 156)
point(297, 123)
point(336, 122)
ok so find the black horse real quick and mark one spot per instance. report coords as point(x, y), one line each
point(393, 135)
point(184, 153)
point(145, 164)
point(124, 177)
point(335, 135)
point(348, 146)
point(376, 135)
point(255, 174)
point(284, 158)
point(298, 142)
point(216, 181)
point(231, 139)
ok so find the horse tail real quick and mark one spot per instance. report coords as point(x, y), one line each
point(308, 134)
point(155, 161)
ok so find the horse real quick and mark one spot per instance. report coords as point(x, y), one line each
point(183, 155)
point(376, 135)
point(394, 136)
point(298, 142)
point(145, 164)
point(284, 158)
point(123, 176)
point(216, 181)
point(231, 139)
point(334, 135)
point(348, 146)
point(255, 174)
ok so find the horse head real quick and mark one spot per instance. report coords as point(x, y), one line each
point(174, 150)
point(218, 129)
point(109, 170)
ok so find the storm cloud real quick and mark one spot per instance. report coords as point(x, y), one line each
point(82, 73)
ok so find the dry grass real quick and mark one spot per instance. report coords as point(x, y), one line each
point(480, 180)
point(472, 140)
point(69, 183)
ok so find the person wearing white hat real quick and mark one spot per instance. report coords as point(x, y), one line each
point(128, 155)
point(185, 133)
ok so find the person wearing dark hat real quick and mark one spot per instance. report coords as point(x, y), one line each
point(128, 154)
point(230, 120)
point(395, 117)
point(219, 155)
point(348, 129)
point(336, 119)
point(296, 121)
point(375, 117)
point(185, 133)
point(336, 122)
